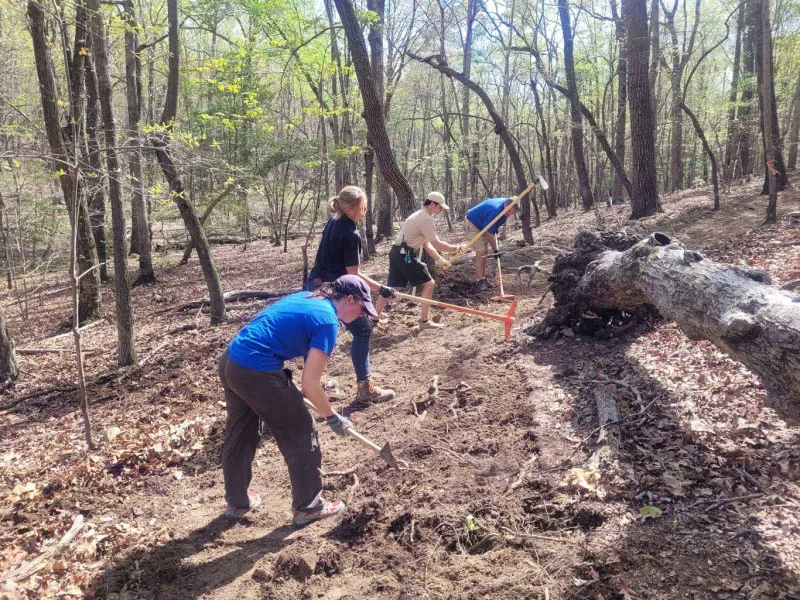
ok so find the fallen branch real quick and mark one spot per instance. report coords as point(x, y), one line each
point(38, 563)
point(55, 350)
point(52, 390)
point(523, 472)
point(349, 471)
point(234, 296)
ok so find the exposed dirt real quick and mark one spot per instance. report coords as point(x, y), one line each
point(499, 500)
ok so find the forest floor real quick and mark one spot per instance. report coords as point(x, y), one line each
point(499, 501)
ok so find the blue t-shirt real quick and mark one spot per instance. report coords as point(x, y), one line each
point(482, 214)
point(339, 248)
point(287, 329)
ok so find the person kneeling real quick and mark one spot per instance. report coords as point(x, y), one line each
point(257, 385)
point(405, 264)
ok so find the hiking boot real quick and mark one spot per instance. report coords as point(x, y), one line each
point(304, 517)
point(237, 512)
point(369, 392)
point(430, 325)
point(484, 285)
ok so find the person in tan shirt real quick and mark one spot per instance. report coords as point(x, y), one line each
point(405, 265)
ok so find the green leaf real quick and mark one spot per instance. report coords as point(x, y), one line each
point(650, 512)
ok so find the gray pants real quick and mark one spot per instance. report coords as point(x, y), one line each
point(272, 396)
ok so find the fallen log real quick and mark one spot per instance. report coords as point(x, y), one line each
point(234, 296)
point(732, 306)
point(608, 417)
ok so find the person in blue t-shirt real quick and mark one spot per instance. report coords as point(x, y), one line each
point(339, 253)
point(477, 218)
point(257, 386)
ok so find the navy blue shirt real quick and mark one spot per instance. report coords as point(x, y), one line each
point(287, 329)
point(339, 248)
point(482, 214)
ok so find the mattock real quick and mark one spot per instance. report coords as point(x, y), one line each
point(385, 452)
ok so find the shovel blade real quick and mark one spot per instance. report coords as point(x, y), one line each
point(386, 454)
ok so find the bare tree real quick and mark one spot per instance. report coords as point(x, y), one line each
point(126, 354)
point(576, 131)
point(500, 129)
point(767, 113)
point(140, 231)
point(373, 109)
point(622, 95)
point(161, 143)
point(63, 148)
point(8, 357)
point(680, 53)
point(794, 128)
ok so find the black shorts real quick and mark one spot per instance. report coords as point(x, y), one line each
point(406, 269)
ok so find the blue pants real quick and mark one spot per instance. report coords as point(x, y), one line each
point(362, 334)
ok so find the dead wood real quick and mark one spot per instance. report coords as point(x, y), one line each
point(612, 273)
point(234, 296)
point(608, 417)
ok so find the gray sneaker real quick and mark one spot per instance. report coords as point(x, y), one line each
point(237, 512)
point(329, 509)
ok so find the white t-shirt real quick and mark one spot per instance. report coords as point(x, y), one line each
point(417, 229)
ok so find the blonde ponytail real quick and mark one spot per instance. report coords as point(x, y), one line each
point(350, 197)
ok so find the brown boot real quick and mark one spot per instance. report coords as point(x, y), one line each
point(369, 392)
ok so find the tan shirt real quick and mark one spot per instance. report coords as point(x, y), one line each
point(417, 229)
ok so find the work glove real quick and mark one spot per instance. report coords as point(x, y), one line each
point(461, 249)
point(387, 292)
point(338, 423)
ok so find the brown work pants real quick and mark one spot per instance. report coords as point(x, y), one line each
point(270, 395)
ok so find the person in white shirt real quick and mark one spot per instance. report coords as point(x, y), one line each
point(405, 265)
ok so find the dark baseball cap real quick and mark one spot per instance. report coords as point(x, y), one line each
point(353, 285)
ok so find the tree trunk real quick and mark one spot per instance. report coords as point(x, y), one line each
point(552, 198)
point(733, 127)
point(63, 154)
point(768, 122)
point(746, 105)
point(8, 358)
point(161, 143)
point(655, 55)
point(576, 131)
point(767, 104)
point(645, 200)
point(373, 109)
point(126, 354)
point(709, 152)
point(140, 230)
point(794, 129)
point(472, 11)
point(499, 128)
point(97, 199)
point(622, 98)
point(732, 306)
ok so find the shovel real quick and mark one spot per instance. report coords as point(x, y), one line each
point(385, 452)
point(508, 318)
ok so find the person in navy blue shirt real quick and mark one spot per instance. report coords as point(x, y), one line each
point(477, 218)
point(339, 253)
point(257, 386)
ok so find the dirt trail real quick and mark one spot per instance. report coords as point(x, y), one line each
point(499, 501)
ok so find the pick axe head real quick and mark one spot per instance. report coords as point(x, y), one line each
point(509, 320)
point(543, 183)
point(386, 454)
